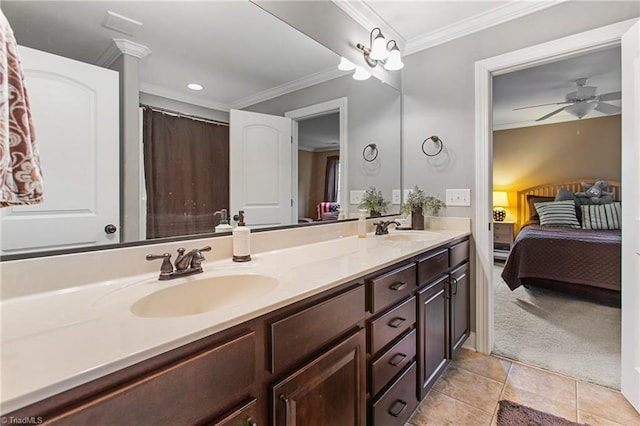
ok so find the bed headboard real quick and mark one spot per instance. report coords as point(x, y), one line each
point(551, 189)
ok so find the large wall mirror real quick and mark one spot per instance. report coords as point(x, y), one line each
point(247, 60)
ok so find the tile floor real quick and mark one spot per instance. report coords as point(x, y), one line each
point(469, 390)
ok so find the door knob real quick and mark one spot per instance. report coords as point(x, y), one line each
point(110, 229)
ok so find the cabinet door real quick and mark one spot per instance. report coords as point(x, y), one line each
point(329, 390)
point(433, 334)
point(459, 287)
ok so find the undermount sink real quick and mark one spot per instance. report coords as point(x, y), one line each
point(203, 295)
point(420, 236)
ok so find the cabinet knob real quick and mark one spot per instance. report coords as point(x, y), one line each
point(397, 408)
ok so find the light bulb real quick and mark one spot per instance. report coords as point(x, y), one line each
point(361, 74)
point(346, 65)
point(195, 86)
point(379, 48)
point(394, 61)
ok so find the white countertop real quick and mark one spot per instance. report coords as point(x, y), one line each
point(57, 340)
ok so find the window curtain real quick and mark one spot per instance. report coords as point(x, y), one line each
point(186, 166)
point(331, 179)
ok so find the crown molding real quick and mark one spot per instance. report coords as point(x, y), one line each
point(152, 89)
point(121, 46)
point(292, 86)
point(473, 24)
point(360, 12)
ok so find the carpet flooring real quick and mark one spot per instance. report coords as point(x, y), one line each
point(577, 338)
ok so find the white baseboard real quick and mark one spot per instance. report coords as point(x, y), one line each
point(470, 343)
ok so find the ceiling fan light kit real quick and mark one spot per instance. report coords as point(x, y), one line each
point(583, 101)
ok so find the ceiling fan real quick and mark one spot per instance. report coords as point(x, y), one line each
point(582, 101)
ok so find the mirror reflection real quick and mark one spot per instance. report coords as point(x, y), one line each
point(172, 146)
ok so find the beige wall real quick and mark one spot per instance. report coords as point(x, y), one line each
point(311, 173)
point(529, 156)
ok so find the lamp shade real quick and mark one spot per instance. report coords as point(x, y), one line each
point(379, 48)
point(394, 62)
point(581, 109)
point(500, 199)
point(361, 74)
point(346, 65)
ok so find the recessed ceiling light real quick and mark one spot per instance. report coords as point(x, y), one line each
point(195, 86)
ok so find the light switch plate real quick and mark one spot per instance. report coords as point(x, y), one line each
point(395, 196)
point(355, 196)
point(458, 197)
point(405, 194)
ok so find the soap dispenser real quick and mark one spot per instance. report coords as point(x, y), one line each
point(224, 221)
point(241, 240)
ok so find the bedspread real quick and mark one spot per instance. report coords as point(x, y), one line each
point(577, 256)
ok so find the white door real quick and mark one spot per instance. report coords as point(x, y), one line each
point(260, 168)
point(630, 370)
point(75, 115)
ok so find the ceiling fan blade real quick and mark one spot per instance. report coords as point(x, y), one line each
point(535, 106)
point(585, 92)
point(613, 96)
point(550, 114)
point(607, 108)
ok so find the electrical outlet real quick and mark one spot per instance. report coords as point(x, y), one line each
point(355, 196)
point(458, 197)
point(395, 196)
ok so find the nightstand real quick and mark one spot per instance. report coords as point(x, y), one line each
point(502, 239)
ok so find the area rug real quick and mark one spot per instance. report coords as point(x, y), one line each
point(512, 414)
point(574, 337)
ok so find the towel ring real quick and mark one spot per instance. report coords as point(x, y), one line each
point(434, 148)
point(372, 154)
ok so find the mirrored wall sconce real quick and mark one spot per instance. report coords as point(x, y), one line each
point(370, 152)
point(381, 51)
point(359, 74)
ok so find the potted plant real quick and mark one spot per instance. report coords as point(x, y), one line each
point(373, 201)
point(418, 203)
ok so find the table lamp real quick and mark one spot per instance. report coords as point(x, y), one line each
point(500, 200)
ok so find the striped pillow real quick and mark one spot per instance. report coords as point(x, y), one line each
point(558, 213)
point(602, 216)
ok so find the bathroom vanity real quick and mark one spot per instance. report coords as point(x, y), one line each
point(357, 336)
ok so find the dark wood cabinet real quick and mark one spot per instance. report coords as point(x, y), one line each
point(328, 390)
point(433, 329)
point(459, 294)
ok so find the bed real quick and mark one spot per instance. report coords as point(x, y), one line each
point(584, 262)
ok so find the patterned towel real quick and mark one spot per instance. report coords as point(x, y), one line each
point(20, 173)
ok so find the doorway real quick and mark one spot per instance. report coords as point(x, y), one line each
point(335, 106)
point(483, 233)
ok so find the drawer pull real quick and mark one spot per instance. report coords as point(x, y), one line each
point(397, 408)
point(398, 286)
point(249, 422)
point(397, 359)
point(454, 282)
point(396, 322)
point(289, 411)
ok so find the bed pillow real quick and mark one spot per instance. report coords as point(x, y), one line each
point(531, 200)
point(558, 213)
point(564, 194)
point(602, 216)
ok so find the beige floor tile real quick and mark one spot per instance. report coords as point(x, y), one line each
point(550, 385)
point(484, 365)
point(594, 420)
point(606, 403)
point(442, 410)
point(557, 406)
point(470, 388)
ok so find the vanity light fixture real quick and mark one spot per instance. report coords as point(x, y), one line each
point(382, 52)
point(361, 74)
point(195, 86)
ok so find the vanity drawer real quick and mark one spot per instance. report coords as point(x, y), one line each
point(390, 363)
point(433, 265)
point(396, 405)
point(459, 253)
point(244, 416)
point(391, 287)
point(297, 336)
point(392, 324)
point(191, 391)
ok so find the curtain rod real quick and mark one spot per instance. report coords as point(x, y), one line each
point(184, 115)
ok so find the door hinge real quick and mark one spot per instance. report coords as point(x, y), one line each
point(291, 140)
point(292, 202)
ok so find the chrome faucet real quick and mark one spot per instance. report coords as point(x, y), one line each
point(381, 227)
point(185, 264)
